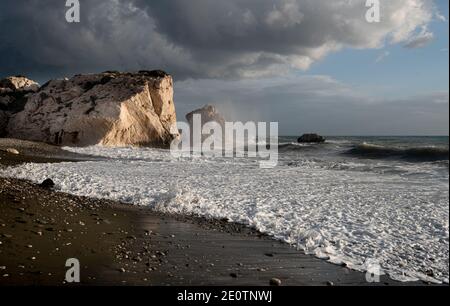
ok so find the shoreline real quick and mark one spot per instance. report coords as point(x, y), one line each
point(119, 244)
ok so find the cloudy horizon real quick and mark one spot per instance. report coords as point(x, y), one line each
point(310, 65)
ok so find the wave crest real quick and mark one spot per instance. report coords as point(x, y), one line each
point(418, 154)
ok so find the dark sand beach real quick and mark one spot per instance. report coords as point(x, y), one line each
point(119, 244)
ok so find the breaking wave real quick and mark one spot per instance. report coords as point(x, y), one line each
point(417, 154)
point(292, 146)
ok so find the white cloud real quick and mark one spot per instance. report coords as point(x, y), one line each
point(285, 34)
point(420, 40)
point(441, 17)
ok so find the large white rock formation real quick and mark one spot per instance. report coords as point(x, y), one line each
point(110, 109)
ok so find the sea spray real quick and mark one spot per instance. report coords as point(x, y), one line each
point(342, 215)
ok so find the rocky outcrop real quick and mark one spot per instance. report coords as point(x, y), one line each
point(14, 92)
point(3, 123)
point(208, 113)
point(18, 83)
point(311, 138)
point(110, 108)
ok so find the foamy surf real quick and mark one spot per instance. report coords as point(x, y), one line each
point(343, 216)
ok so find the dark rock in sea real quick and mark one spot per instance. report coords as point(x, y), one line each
point(48, 183)
point(329, 283)
point(311, 138)
point(275, 282)
point(233, 275)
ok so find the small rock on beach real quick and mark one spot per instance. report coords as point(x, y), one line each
point(275, 282)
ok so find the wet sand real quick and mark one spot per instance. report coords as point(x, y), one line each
point(119, 244)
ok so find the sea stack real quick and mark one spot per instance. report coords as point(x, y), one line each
point(110, 109)
point(207, 113)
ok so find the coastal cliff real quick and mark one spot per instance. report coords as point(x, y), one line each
point(14, 92)
point(110, 109)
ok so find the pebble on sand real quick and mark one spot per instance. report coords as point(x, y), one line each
point(275, 282)
point(12, 151)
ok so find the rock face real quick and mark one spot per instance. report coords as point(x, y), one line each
point(14, 92)
point(18, 83)
point(3, 123)
point(208, 113)
point(311, 138)
point(110, 109)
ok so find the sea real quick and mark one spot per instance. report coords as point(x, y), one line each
point(362, 202)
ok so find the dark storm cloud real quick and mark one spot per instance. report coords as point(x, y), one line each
point(36, 40)
point(195, 38)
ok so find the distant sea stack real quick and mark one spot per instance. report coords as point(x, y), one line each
point(208, 113)
point(110, 109)
point(311, 138)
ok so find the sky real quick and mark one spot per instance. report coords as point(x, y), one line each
point(311, 65)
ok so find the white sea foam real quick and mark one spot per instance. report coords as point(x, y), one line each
point(402, 221)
